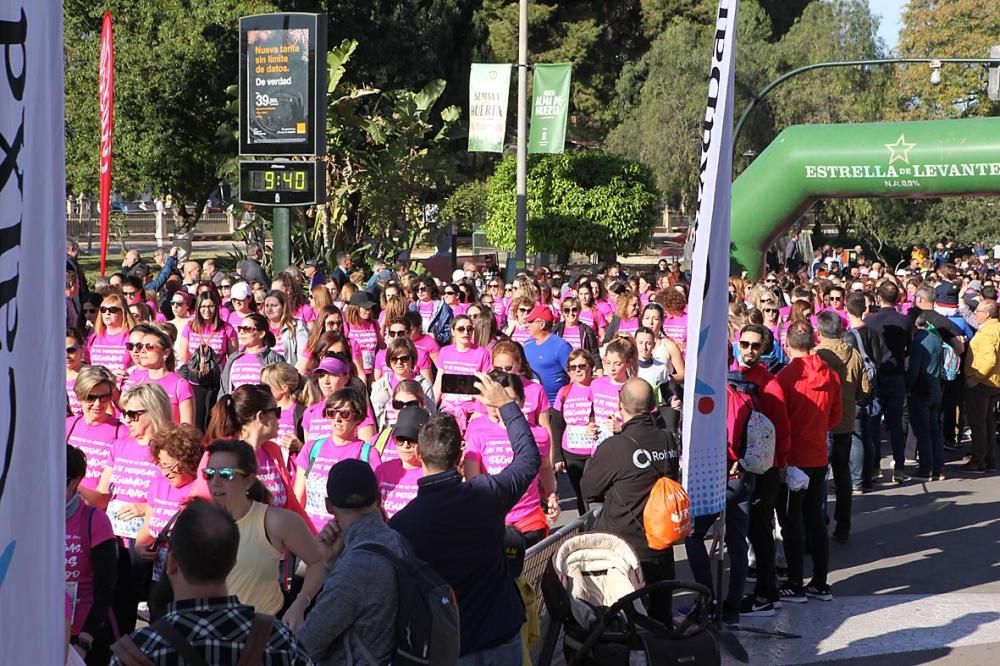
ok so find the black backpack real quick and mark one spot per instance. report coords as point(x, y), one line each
point(427, 626)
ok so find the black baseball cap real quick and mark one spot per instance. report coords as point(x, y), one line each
point(410, 420)
point(351, 484)
point(363, 299)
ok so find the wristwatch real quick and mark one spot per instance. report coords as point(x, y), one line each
point(85, 643)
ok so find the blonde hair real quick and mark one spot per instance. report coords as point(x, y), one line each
point(90, 377)
point(154, 400)
point(117, 300)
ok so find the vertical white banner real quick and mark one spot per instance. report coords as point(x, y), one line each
point(489, 88)
point(32, 312)
point(704, 435)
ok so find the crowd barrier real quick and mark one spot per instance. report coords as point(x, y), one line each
point(535, 560)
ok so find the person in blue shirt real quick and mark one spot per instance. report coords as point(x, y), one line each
point(547, 354)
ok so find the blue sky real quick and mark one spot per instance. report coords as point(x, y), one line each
point(890, 11)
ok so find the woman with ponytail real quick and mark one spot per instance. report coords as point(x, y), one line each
point(251, 414)
point(266, 533)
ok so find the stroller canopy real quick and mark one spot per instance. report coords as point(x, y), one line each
point(597, 570)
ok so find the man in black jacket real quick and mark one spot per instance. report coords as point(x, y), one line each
point(458, 527)
point(621, 474)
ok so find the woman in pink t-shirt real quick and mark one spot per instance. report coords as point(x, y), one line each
point(156, 364)
point(74, 363)
point(398, 475)
point(488, 451)
point(209, 330)
point(107, 345)
point(461, 357)
point(509, 357)
point(362, 329)
point(96, 429)
point(178, 452)
point(626, 318)
point(621, 361)
point(345, 409)
point(91, 559)
point(667, 350)
point(517, 329)
point(674, 303)
point(288, 389)
point(452, 297)
point(576, 403)
point(399, 328)
point(495, 300)
point(590, 314)
point(290, 334)
point(401, 357)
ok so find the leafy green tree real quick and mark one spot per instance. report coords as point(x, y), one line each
point(584, 201)
point(174, 61)
point(945, 29)
point(467, 206)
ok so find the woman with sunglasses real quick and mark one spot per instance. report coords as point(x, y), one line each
point(578, 334)
point(289, 333)
point(621, 361)
point(91, 556)
point(91, 309)
point(328, 319)
point(361, 328)
point(156, 364)
point(180, 307)
point(344, 409)
point(400, 357)
point(74, 363)
point(207, 329)
point(106, 346)
point(422, 341)
point(590, 314)
point(244, 366)
point(453, 298)
point(517, 328)
point(435, 315)
point(288, 388)
point(399, 328)
point(251, 415)
point(267, 532)
point(576, 404)
point(462, 357)
point(331, 375)
point(96, 429)
point(142, 313)
point(488, 451)
point(401, 469)
point(497, 298)
point(178, 452)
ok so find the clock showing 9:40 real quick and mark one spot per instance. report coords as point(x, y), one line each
point(281, 183)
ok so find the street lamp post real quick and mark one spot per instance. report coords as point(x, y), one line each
point(935, 64)
point(521, 233)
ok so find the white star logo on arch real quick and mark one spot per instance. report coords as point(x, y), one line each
point(900, 150)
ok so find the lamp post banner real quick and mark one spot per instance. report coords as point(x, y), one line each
point(703, 462)
point(32, 232)
point(106, 99)
point(549, 108)
point(489, 90)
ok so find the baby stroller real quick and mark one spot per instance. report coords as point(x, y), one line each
point(593, 587)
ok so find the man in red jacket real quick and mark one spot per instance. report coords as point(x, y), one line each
point(812, 395)
point(756, 341)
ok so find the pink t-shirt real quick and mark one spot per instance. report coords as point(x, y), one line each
point(605, 394)
point(286, 422)
point(628, 326)
point(328, 455)
point(235, 318)
point(577, 407)
point(397, 485)
point(178, 389)
point(675, 328)
point(428, 345)
point(132, 475)
point(500, 310)
point(366, 335)
point(279, 344)
point(109, 350)
point(426, 311)
point(571, 334)
point(164, 501)
point(593, 318)
point(218, 340)
point(606, 308)
point(520, 335)
point(306, 314)
point(74, 405)
point(95, 441)
point(487, 443)
point(460, 309)
point(79, 569)
point(536, 402)
point(454, 362)
point(246, 370)
point(269, 474)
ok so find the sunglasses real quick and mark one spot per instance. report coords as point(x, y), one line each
point(403, 443)
point(524, 310)
point(400, 359)
point(837, 298)
point(579, 367)
point(177, 304)
point(225, 286)
point(142, 346)
point(463, 329)
point(114, 309)
point(450, 293)
point(770, 310)
point(494, 286)
point(97, 397)
point(571, 310)
point(132, 414)
point(72, 350)
point(129, 293)
point(402, 404)
point(770, 281)
point(345, 414)
point(225, 473)
point(247, 329)
point(396, 332)
point(508, 288)
point(756, 346)
point(421, 289)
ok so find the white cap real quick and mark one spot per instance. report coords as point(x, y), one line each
point(240, 291)
point(459, 274)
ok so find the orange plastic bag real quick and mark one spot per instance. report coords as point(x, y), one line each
point(667, 516)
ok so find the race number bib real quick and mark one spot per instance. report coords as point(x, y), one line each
point(127, 528)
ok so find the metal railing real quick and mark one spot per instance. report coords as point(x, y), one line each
point(536, 559)
point(142, 226)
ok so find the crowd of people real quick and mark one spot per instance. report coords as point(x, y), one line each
point(275, 425)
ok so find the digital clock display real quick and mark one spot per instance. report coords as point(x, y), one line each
point(278, 181)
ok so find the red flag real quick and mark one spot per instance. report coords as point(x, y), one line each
point(106, 93)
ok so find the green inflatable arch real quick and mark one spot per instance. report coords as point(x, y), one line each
point(939, 158)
